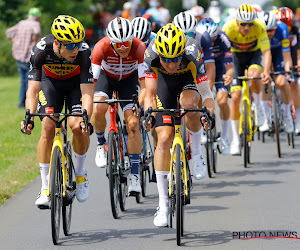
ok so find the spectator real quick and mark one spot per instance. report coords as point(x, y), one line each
point(127, 11)
point(165, 16)
point(153, 11)
point(198, 12)
point(24, 36)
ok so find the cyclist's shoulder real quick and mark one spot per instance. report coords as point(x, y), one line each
point(230, 26)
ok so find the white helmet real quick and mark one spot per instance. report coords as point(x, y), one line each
point(185, 21)
point(127, 6)
point(119, 30)
point(197, 10)
point(141, 28)
point(245, 13)
point(208, 24)
point(269, 19)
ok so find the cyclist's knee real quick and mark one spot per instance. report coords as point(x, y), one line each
point(132, 126)
point(236, 97)
point(48, 130)
point(99, 111)
point(164, 140)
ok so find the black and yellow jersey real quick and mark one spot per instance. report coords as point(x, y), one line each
point(190, 62)
point(256, 39)
point(45, 63)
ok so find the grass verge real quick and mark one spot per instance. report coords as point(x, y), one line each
point(18, 152)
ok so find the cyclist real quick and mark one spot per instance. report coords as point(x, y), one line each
point(60, 67)
point(286, 15)
point(282, 61)
point(173, 67)
point(142, 30)
point(198, 12)
point(224, 69)
point(188, 24)
point(117, 62)
point(250, 48)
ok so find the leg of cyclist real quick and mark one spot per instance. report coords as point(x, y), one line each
point(134, 148)
point(222, 99)
point(296, 99)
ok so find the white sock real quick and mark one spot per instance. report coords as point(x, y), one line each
point(224, 125)
point(297, 116)
point(195, 138)
point(235, 130)
point(266, 108)
point(162, 187)
point(44, 170)
point(257, 99)
point(286, 109)
point(80, 169)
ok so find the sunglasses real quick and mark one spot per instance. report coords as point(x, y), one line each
point(125, 45)
point(270, 31)
point(71, 46)
point(191, 34)
point(168, 60)
point(245, 24)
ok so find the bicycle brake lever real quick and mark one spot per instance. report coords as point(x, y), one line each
point(27, 119)
point(85, 119)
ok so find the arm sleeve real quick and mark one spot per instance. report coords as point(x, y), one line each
point(86, 74)
point(97, 57)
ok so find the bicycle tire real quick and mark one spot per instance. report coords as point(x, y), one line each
point(70, 187)
point(113, 175)
point(56, 194)
point(276, 123)
point(214, 149)
point(209, 153)
point(178, 195)
point(144, 181)
point(245, 132)
point(138, 196)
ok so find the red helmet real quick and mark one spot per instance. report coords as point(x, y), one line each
point(285, 15)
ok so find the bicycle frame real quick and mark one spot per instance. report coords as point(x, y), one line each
point(246, 96)
point(178, 140)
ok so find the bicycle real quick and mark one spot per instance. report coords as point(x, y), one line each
point(118, 160)
point(62, 186)
point(247, 127)
point(179, 191)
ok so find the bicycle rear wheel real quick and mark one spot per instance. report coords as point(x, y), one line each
point(245, 133)
point(276, 123)
point(56, 194)
point(209, 153)
point(70, 194)
point(113, 174)
point(179, 216)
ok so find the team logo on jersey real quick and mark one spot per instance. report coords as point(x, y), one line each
point(42, 98)
point(64, 71)
point(41, 44)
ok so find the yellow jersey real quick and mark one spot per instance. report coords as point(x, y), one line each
point(256, 39)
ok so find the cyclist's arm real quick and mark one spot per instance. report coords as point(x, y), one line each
point(142, 92)
point(150, 93)
point(211, 73)
point(287, 58)
point(210, 104)
point(228, 77)
point(32, 96)
point(87, 91)
point(267, 61)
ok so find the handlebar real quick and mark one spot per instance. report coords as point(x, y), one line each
point(113, 101)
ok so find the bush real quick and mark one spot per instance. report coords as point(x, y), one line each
point(8, 66)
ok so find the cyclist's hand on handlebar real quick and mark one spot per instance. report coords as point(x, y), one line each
point(85, 132)
point(29, 128)
point(266, 78)
point(204, 122)
point(227, 79)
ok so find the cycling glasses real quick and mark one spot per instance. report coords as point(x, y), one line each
point(122, 45)
point(71, 46)
point(168, 60)
point(270, 31)
point(245, 24)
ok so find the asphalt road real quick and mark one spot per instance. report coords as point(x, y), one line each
point(263, 199)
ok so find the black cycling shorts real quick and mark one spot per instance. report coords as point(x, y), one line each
point(53, 93)
point(243, 60)
point(169, 88)
point(126, 88)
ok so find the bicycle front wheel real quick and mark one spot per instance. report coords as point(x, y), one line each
point(70, 195)
point(245, 133)
point(113, 174)
point(56, 194)
point(209, 153)
point(276, 123)
point(179, 184)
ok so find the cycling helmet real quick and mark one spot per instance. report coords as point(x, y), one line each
point(185, 21)
point(119, 30)
point(285, 15)
point(141, 28)
point(245, 13)
point(197, 11)
point(67, 29)
point(269, 19)
point(170, 41)
point(34, 12)
point(208, 24)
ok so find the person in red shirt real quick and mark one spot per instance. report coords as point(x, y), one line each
point(117, 63)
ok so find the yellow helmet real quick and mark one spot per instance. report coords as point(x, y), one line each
point(170, 41)
point(67, 29)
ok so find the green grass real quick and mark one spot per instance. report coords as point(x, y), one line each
point(18, 152)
